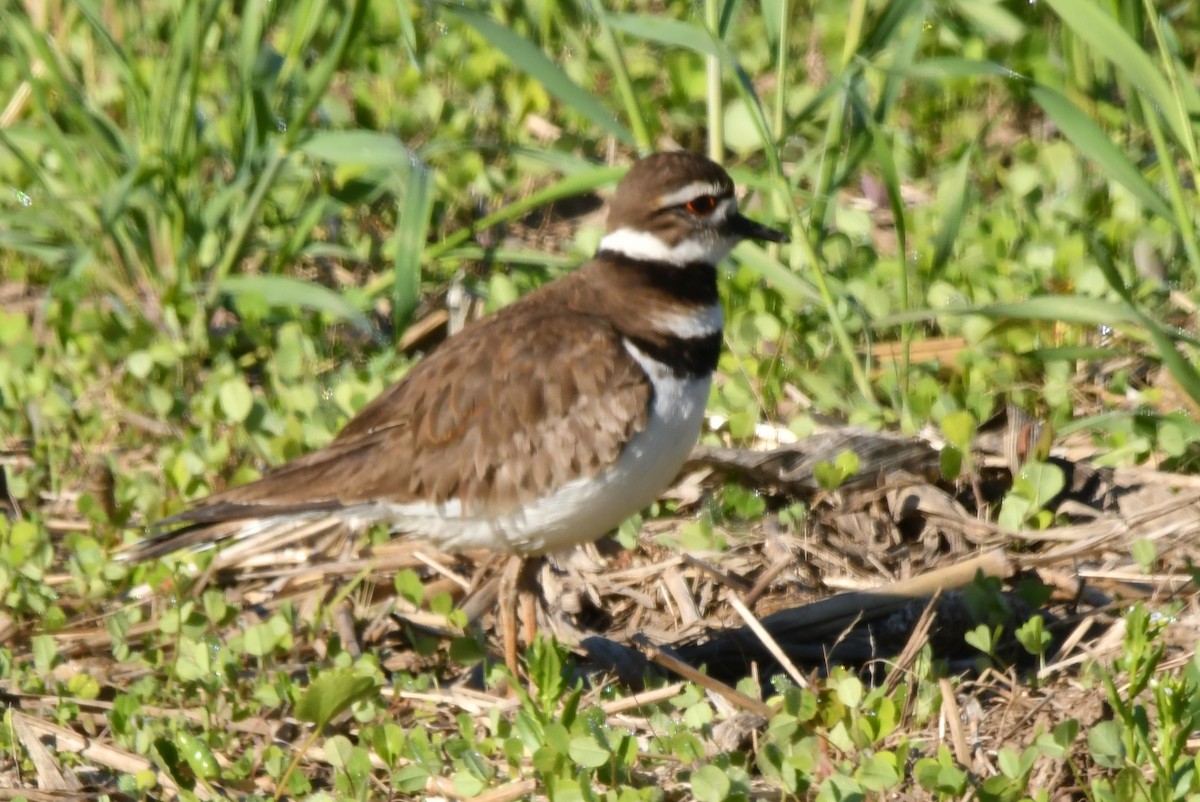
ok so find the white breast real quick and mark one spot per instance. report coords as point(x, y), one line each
point(585, 509)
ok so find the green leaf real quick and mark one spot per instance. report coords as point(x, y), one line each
point(587, 752)
point(942, 69)
point(409, 586)
point(197, 754)
point(408, 244)
point(981, 638)
point(528, 58)
point(710, 784)
point(331, 693)
point(139, 363)
point(260, 639)
point(1095, 145)
point(1062, 308)
point(667, 31)
point(775, 273)
point(1104, 742)
point(467, 785)
point(1145, 552)
point(236, 399)
point(292, 292)
point(45, 653)
point(1040, 482)
point(360, 147)
point(849, 689)
point(848, 463)
point(338, 750)
point(959, 429)
point(14, 328)
point(1033, 636)
point(546, 670)
point(878, 772)
point(952, 199)
point(992, 19)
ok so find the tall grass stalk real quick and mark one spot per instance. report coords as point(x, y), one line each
point(715, 95)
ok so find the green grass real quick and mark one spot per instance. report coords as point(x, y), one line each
point(218, 219)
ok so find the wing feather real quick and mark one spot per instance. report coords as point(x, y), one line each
point(511, 408)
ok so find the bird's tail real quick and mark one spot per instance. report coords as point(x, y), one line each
point(245, 531)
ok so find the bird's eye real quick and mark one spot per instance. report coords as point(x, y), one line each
point(703, 205)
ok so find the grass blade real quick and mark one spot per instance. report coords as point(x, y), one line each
point(284, 291)
point(663, 30)
point(416, 205)
point(952, 197)
point(1096, 146)
point(1060, 308)
point(1094, 25)
point(528, 58)
point(359, 147)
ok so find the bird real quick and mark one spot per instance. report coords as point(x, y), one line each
point(543, 425)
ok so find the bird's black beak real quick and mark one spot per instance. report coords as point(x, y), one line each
point(746, 228)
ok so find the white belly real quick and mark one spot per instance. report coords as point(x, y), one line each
point(584, 509)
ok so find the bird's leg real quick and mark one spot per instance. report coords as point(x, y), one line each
point(508, 610)
point(526, 600)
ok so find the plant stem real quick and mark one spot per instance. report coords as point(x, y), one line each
point(612, 52)
point(716, 104)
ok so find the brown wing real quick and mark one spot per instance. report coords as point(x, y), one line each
point(512, 406)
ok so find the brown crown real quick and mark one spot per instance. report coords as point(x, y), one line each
point(637, 199)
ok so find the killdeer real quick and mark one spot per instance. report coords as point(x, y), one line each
point(544, 425)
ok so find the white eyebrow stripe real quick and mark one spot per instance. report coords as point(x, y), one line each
point(689, 192)
point(646, 247)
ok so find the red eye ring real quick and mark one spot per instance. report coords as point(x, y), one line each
point(703, 205)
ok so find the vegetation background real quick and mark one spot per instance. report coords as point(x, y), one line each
point(227, 226)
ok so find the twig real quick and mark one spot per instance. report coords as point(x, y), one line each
point(767, 641)
point(681, 668)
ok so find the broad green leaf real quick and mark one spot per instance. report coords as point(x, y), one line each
point(530, 59)
point(981, 638)
point(959, 429)
point(467, 785)
point(1104, 742)
point(197, 754)
point(1034, 637)
point(331, 693)
point(1145, 553)
point(878, 772)
point(338, 750)
point(1045, 480)
point(236, 399)
point(1096, 146)
point(292, 292)
point(710, 784)
point(585, 751)
point(409, 586)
